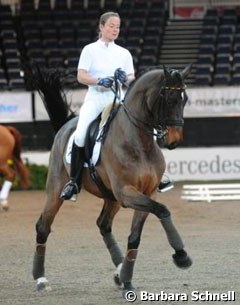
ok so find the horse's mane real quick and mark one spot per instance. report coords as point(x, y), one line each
point(140, 75)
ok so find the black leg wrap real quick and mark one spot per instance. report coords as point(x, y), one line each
point(128, 266)
point(38, 262)
point(126, 271)
point(180, 258)
point(172, 234)
point(114, 250)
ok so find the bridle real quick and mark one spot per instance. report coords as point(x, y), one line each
point(159, 129)
point(179, 122)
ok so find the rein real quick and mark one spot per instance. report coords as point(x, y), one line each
point(160, 131)
point(117, 96)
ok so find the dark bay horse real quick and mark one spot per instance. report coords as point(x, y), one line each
point(11, 164)
point(131, 164)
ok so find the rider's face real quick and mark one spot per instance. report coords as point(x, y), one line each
point(110, 30)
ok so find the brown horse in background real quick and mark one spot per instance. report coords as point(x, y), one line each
point(11, 164)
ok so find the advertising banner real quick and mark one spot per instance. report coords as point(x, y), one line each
point(215, 163)
point(15, 107)
point(213, 102)
point(202, 102)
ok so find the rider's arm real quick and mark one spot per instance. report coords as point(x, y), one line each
point(85, 78)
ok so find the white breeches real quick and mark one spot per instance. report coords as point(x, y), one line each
point(93, 105)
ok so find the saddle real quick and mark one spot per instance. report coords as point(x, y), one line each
point(91, 137)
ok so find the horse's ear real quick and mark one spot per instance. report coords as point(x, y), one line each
point(186, 71)
point(166, 72)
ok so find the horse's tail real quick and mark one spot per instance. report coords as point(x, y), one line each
point(49, 84)
point(21, 168)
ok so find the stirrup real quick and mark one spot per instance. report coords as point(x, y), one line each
point(69, 191)
point(165, 186)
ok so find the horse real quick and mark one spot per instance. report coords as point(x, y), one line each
point(130, 166)
point(11, 164)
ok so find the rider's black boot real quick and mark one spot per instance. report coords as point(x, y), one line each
point(165, 186)
point(74, 185)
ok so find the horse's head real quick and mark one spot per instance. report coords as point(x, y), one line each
point(174, 99)
point(155, 102)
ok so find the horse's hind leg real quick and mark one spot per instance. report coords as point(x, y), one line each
point(132, 249)
point(57, 177)
point(104, 223)
point(43, 229)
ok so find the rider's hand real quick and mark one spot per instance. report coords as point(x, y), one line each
point(106, 82)
point(121, 75)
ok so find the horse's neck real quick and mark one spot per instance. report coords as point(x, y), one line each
point(141, 99)
point(136, 108)
point(134, 118)
point(127, 131)
point(134, 103)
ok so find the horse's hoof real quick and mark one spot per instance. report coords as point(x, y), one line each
point(43, 285)
point(116, 276)
point(128, 292)
point(4, 205)
point(181, 259)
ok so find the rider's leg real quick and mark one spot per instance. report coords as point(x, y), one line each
point(77, 163)
point(88, 112)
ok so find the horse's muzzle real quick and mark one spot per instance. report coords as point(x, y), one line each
point(173, 137)
point(172, 146)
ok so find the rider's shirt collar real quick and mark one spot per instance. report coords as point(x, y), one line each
point(106, 44)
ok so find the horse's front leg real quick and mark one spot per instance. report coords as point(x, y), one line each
point(132, 198)
point(104, 222)
point(126, 272)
